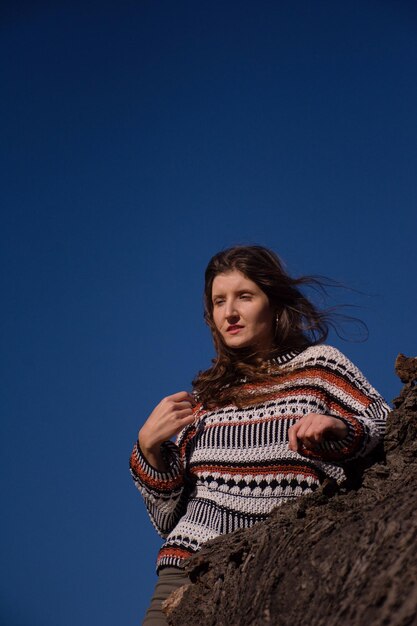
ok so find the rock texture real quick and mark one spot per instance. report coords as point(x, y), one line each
point(347, 558)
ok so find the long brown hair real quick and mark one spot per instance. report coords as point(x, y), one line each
point(299, 323)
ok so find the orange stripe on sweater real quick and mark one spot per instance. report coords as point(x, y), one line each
point(335, 380)
point(185, 441)
point(257, 471)
point(156, 483)
point(174, 552)
point(311, 373)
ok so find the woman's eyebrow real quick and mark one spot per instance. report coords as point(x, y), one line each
point(240, 291)
point(220, 294)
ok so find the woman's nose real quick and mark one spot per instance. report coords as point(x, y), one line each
point(231, 311)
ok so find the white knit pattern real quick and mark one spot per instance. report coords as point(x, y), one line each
point(231, 467)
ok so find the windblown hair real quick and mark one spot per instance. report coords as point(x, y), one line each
point(299, 324)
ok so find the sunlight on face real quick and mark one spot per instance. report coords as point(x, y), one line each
point(241, 312)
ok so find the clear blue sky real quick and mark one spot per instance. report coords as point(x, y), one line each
point(137, 139)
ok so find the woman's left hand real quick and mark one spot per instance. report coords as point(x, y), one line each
point(311, 429)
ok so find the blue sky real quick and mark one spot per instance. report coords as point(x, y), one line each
point(138, 139)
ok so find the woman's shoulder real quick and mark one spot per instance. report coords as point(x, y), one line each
point(324, 354)
point(335, 369)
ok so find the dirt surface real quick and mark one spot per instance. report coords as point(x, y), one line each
point(345, 559)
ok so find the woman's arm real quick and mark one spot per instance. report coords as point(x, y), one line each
point(162, 492)
point(155, 462)
point(354, 422)
point(166, 420)
point(313, 429)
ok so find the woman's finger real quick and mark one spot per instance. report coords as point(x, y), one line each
point(184, 413)
point(314, 433)
point(303, 427)
point(292, 437)
point(184, 404)
point(188, 419)
point(181, 395)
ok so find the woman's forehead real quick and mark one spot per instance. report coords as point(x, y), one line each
point(231, 281)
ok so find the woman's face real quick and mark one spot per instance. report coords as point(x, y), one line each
point(241, 312)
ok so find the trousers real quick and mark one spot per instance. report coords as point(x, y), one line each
point(169, 579)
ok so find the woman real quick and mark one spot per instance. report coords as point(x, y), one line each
point(276, 414)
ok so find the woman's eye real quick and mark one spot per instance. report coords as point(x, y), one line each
point(218, 302)
point(245, 296)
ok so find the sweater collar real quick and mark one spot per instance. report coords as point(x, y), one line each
point(285, 357)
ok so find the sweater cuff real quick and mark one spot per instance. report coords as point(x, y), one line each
point(342, 449)
point(147, 475)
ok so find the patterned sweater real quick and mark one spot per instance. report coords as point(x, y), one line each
point(232, 466)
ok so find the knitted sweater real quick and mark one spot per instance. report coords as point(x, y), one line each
point(232, 466)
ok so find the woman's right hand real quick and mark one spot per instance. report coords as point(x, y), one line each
point(166, 420)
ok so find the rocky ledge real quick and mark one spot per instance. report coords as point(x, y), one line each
point(345, 558)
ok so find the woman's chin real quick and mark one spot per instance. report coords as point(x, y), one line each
point(236, 343)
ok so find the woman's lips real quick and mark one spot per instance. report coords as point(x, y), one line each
point(233, 330)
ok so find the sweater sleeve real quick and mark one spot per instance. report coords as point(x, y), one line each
point(163, 492)
point(349, 397)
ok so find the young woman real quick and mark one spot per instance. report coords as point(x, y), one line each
point(276, 414)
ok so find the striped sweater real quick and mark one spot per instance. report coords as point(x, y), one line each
point(232, 466)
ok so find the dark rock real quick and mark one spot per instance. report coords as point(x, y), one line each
point(345, 558)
